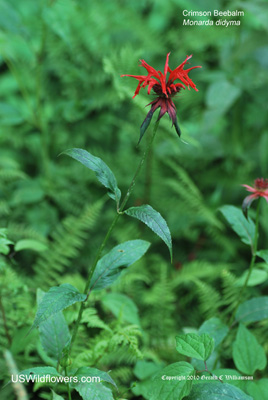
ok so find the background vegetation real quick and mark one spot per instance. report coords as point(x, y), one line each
point(60, 87)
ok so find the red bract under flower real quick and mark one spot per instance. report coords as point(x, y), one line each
point(165, 88)
point(260, 189)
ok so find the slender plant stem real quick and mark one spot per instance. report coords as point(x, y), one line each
point(108, 234)
point(148, 177)
point(68, 386)
point(252, 263)
point(208, 371)
point(82, 306)
point(145, 154)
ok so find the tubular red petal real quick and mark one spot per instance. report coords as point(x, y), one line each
point(151, 84)
point(190, 69)
point(151, 71)
point(139, 77)
point(250, 188)
point(166, 65)
point(164, 89)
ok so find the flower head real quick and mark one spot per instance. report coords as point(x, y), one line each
point(260, 189)
point(165, 89)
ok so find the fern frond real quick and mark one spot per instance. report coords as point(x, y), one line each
point(230, 292)
point(199, 269)
point(67, 241)
point(11, 175)
point(92, 320)
point(187, 191)
point(18, 231)
point(127, 337)
point(209, 297)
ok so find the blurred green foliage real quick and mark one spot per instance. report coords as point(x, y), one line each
point(60, 87)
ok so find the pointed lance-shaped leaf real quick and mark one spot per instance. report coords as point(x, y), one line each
point(248, 354)
point(103, 172)
point(154, 220)
point(110, 266)
point(245, 228)
point(177, 127)
point(145, 124)
point(92, 387)
point(57, 299)
point(54, 332)
point(253, 310)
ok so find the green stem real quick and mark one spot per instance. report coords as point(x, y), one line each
point(145, 154)
point(148, 177)
point(252, 263)
point(108, 234)
point(68, 386)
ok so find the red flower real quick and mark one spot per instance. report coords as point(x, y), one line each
point(164, 88)
point(260, 189)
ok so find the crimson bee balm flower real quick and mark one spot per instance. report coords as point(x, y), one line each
point(165, 88)
point(260, 189)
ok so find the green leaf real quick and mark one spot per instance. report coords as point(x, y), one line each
point(257, 277)
point(145, 124)
point(248, 355)
point(108, 267)
point(103, 172)
point(4, 246)
point(211, 361)
point(243, 227)
point(122, 306)
point(171, 382)
point(57, 299)
point(263, 254)
point(217, 391)
point(94, 372)
point(225, 373)
point(193, 345)
point(30, 244)
point(253, 310)
point(215, 328)
point(54, 335)
point(56, 396)
point(154, 221)
point(258, 389)
point(93, 390)
point(90, 391)
point(54, 332)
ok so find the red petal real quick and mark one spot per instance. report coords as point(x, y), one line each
point(250, 188)
point(166, 65)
